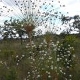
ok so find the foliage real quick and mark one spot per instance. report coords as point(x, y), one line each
point(40, 61)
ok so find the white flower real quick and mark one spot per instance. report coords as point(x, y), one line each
point(42, 58)
point(18, 60)
point(55, 67)
point(49, 76)
point(61, 71)
point(33, 59)
point(1, 62)
point(64, 73)
point(58, 59)
point(23, 55)
point(66, 60)
point(74, 55)
point(50, 57)
point(46, 71)
point(28, 72)
point(68, 51)
point(45, 54)
point(41, 43)
point(17, 56)
point(52, 62)
point(70, 75)
point(17, 64)
point(26, 46)
point(38, 75)
point(57, 42)
point(69, 45)
point(52, 67)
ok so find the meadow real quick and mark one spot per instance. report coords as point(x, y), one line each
point(47, 57)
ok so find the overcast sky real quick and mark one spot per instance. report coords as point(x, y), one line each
point(71, 6)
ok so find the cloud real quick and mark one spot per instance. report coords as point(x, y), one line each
point(72, 7)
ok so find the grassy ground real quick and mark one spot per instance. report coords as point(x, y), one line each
point(21, 62)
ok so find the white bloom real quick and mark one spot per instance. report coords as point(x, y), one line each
point(57, 42)
point(61, 71)
point(42, 58)
point(28, 72)
point(52, 67)
point(46, 71)
point(69, 45)
point(41, 43)
point(44, 54)
point(17, 64)
point(17, 56)
point(49, 76)
point(52, 62)
point(1, 62)
point(68, 51)
point(50, 57)
point(38, 75)
point(74, 55)
point(70, 75)
point(66, 60)
point(23, 55)
point(18, 60)
point(55, 67)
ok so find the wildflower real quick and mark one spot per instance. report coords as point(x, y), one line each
point(28, 72)
point(18, 60)
point(46, 71)
point(44, 54)
point(49, 76)
point(57, 42)
point(1, 62)
point(74, 55)
point(70, 75)
point(17, 64)
point(52, 62)
point(52, 67)
point(38, 75)
point(17, 56)
point(23, 55)
point(61, 71)
point(50, 57)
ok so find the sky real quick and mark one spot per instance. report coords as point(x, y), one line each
point(71, 6)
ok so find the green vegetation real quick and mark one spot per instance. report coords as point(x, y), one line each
point(45, 58)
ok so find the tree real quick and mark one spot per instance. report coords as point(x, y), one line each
point(18, 25)
point(76, 23)
point(7, 30)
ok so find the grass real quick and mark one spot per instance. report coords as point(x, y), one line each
point(21, 62)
